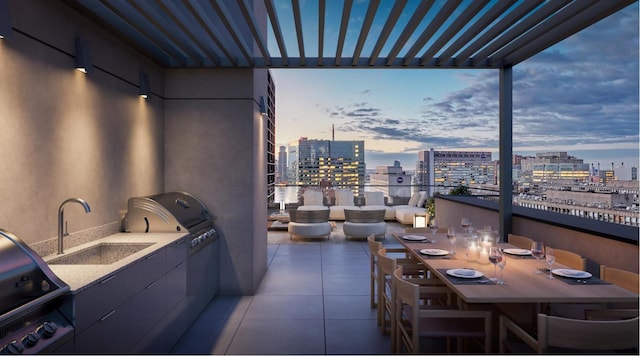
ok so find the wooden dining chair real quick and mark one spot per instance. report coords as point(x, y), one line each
point(616, 311)
point(570, 259)
point(386, 267)
point(563, 335)
point(374, 246)
point(415, 320)
point(625, 279)
point(520, 241)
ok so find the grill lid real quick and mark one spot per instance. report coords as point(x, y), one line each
point(167, 212)
point(24, 276)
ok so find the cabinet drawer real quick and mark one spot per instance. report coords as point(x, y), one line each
point(109, 335)
point(94, 302)
point(148, 308)
point(149, 269)
point(176, 285)
point(176, 253)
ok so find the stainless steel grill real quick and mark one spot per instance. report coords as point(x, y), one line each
point(172, 212)
point(35, 306)
point(180, 211)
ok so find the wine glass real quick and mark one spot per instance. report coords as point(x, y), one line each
point(551, 258)
point(465, 224)
point(501, 264)
point(496, 236)
point(495, 256)
point(434, 227)
point(451, 235)
point(537, 251)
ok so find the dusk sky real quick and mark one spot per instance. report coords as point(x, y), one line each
point(580, 96)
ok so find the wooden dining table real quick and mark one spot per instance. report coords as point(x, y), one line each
point(522, 284)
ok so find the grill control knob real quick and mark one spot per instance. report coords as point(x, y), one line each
point(47, 329)
point(30, 339)
point(13, 348)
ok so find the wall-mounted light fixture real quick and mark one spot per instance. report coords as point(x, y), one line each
point(5, 20)
point(145, 90)
point(263, 106)
point(83, 57)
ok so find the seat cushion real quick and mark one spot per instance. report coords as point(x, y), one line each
point(344, 197)
point(312, 197)
point(389, 211)
point(374, 198)
point(352, 229)
point(404, 214)
point(309, 229)
point(336, 212)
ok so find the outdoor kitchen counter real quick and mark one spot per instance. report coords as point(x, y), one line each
point(82, 276)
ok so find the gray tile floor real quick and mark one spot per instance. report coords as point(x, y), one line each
point(314, 299)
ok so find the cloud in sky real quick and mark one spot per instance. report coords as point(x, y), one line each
point(578, 96)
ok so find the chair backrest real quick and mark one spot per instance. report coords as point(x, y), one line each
point(592, 335)
point(386, 265)
point(570, 259)
point(363, 216)
point(625, 279)
point(520, 241)
point(374, 198)
point(313, 197)
point(309, 216)
point(374, 245)
point(344, 197)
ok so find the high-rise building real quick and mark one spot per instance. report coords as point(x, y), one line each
point(292, 167)
point(554, 166)
point(270, 115)
point(282, 165)
point(339, 164)
point(440, 171)
point(391, 180)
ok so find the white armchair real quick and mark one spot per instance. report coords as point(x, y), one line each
point(362, 223)
point(309, 223)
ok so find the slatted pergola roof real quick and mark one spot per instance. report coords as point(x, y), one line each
point(344, 33)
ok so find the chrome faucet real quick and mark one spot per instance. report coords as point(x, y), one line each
point(61, 232)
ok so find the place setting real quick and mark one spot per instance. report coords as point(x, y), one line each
point(417, 238)
point(574, 276)
point(517, 252)
point(466, 276)
point(435, 253)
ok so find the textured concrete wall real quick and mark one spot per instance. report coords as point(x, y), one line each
point(214, 148)
point(66, 134)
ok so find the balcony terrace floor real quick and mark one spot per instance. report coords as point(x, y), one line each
point(314, 299)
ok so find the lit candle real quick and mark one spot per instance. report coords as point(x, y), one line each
point(473, 251)
point(484, 256)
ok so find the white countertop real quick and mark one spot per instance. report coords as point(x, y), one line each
point(81, 276)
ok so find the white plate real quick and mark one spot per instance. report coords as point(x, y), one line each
point(434, 252)
point(517, 251)
point(464, 273)
point(414, 237)
point(571, 273)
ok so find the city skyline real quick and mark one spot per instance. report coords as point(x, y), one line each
point(588, 108)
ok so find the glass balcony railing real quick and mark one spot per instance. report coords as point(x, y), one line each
point(591, 207)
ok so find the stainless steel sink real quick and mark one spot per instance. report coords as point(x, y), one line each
point(101, 254)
